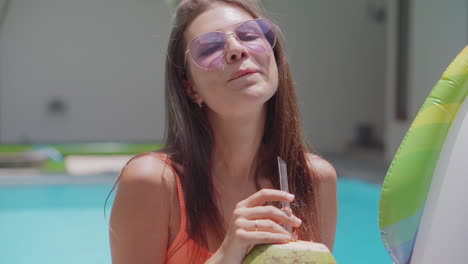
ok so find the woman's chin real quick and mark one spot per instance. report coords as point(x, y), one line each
point(257, 92)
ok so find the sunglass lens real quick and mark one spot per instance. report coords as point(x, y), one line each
point(257, 35)
point(208, 49)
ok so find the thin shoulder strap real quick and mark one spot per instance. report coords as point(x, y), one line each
point(180, 191)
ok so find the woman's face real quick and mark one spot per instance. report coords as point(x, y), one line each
point(216, 87)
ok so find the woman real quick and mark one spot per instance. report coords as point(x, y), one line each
point(231, 111)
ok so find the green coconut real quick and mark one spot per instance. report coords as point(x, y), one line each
point(292, 252)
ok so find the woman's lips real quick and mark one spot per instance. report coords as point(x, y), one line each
point(243, 72)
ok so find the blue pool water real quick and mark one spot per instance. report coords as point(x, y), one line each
point(56, 224)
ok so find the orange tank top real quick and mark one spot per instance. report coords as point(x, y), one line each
point(183, 248)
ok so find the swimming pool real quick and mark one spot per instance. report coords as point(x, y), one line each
point(65, 224)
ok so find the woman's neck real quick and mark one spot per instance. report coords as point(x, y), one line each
point(237, 142)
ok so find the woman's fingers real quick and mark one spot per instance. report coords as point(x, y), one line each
point(262, 225)
point(253, 223)
point(265, 225)
point(266, 195)
point(269, 212)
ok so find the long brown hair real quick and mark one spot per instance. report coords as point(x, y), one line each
point(189, 138)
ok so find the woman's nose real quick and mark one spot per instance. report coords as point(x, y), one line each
point(235, 50)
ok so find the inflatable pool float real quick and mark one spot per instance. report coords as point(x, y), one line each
point(422, 209)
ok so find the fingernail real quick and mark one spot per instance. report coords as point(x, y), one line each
point(291, 196)
point(297, 220)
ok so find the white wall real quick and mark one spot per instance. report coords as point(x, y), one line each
point(438, 32)
point(105, 58)
point(338, 56)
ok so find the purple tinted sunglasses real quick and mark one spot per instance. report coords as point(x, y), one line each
point(208, 50)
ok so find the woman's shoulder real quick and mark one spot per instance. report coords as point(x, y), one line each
point(141, 210)
point(147, 178)
point(320, 168)
point(151, 170)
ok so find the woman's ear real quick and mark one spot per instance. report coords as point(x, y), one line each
point(192, 92)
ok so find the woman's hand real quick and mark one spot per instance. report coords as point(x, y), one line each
point(253, 223)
